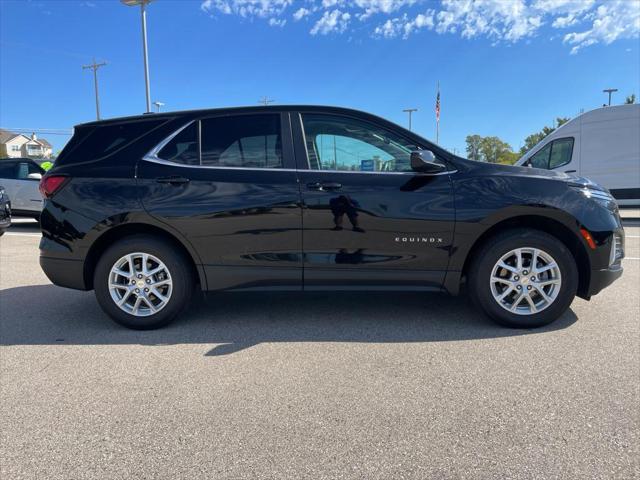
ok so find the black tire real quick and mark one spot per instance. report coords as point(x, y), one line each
point(487, 256)
point(176, 262)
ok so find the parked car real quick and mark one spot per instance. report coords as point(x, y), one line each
point(5, 211)
point(602, 145)
point(145, 210)
point(20, 177)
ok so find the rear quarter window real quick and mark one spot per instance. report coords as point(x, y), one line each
point(101, 141)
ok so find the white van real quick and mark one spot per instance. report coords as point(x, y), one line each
point(602, 145)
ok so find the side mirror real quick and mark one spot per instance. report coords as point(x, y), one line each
point(34, 176)
point(425, 161)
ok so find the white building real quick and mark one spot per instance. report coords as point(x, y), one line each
point(18, 145)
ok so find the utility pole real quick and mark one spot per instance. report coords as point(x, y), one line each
point(609, 91)
point(158, 105)
point(410, 111)
point(95, 66)
point(143, 12)
point(266, 101)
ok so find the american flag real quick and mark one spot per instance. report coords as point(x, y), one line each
point(438, 104)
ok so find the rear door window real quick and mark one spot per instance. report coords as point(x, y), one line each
point(183, 148)
point(247, 141)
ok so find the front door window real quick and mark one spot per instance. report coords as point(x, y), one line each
point(345, 144)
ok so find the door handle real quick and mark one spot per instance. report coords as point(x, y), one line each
point(173, 180)
point(569, 171)
point(324, 186)
point(331, 186)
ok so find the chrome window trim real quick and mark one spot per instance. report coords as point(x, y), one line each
point(147, 158)
point(152, 156)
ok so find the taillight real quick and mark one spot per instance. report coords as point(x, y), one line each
point(50, 184)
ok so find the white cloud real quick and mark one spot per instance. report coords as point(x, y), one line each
point(613, 20)
point(404, 26)
point(496, 19)
point(583, 22)
point(277, 22)
point(333, 21)
point(301, 13)
point(246, 8)
point(372, 7)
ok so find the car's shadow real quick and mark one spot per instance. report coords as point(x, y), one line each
point(49, 315)
point(24, 225)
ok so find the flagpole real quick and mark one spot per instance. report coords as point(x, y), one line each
point(438, 117)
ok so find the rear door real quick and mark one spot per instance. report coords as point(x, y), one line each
point(369, 221)
point(228, 184)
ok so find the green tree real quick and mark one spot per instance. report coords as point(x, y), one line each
point(631, 99)
point(473, 147)
point(533, 139)
point(508, 157)
point(492, 149)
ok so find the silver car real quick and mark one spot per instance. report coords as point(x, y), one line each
point(20, 178)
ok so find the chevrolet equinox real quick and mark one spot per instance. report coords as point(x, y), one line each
point(145, 210)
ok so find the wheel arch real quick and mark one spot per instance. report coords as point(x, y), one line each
point(121, 231)
point(548, 225)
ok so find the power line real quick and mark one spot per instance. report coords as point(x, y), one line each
point(45, 131)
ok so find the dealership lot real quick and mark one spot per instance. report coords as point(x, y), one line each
point(382, 385)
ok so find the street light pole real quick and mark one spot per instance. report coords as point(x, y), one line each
point(95, 66)
point(410, 111)
point(143, 13)
point(146, 57)
point(610, 91)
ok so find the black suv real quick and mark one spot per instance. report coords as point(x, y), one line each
point(146, 209)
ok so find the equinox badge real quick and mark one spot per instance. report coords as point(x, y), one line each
point(418, 239)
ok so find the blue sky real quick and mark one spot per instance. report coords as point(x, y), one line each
point(506, 68)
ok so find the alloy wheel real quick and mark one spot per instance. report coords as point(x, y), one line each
point(525, 281)
point(140, 284)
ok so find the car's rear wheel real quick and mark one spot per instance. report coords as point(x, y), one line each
point(142, 282)
point(523, 278)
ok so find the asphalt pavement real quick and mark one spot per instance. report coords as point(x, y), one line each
point(322, 385)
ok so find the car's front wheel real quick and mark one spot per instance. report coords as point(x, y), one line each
point(142, 282)
point(523, 278)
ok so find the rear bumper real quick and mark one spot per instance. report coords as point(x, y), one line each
point(600, 279)
point(64, 272)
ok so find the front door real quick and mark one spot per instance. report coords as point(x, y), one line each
point(22, 191)
point(228, 185)
point(369, 221)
